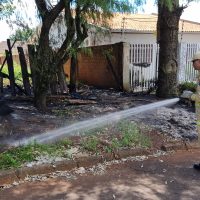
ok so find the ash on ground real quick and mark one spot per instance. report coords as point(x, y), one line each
point(178, 121)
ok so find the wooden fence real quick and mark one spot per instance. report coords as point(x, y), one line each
point(8, 58)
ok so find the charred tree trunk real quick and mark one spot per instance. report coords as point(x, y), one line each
point(167, 38)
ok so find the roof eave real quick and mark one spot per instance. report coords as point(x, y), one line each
point(131, 31)
point(143, 31)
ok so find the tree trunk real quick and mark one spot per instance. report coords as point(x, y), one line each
point(54, 84)
point(43, 74)
point(62, 79)
point(167, 28)
point(40, 100)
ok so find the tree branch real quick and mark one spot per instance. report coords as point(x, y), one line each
point(42, 7)
point(56, 10)
point(63, 53)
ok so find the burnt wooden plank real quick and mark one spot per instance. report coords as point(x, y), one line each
point(11, 72)
point(1, 85)
point(31, 53)
point(25, 74)
point(3, 75)
point(10, 48)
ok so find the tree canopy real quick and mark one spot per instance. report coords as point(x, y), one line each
point(6, 8)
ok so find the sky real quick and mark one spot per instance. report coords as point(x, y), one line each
point(192, 13)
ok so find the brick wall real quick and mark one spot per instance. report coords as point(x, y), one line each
point(103, 69)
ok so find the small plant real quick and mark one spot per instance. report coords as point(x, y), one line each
point(191, 86)
point(67, 143)
point(94, 131)
point(131, 136)
point(91, 144)
point(114, 146)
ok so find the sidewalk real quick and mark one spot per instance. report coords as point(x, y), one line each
point(164, 177)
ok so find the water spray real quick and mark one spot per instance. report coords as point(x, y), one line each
point(86, 125)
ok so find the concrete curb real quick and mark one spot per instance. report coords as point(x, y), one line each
point(9, 176)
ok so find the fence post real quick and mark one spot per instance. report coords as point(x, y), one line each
point(31, 53)
point(25, 75)
point(125, 67)
point(182, 61)
point(1, 85)
point(11, 72)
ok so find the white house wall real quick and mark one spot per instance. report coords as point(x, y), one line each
point(134, 38)
point(138, 38)
point(190, 37)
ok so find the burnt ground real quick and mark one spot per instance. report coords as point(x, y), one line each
point(176, 122)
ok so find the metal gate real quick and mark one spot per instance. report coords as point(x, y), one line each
point(143, 66)
point(186, 52)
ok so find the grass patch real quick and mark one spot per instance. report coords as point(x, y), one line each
point(90, 144)
point(132, 136)
point(124, 134)
point(128, 135)
point(17, 73)
point(14, 158)
point(94, 131)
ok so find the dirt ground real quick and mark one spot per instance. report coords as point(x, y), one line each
point(154, 178)
point(65, 110)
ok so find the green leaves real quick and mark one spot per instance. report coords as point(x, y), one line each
point(22, 34)
point(6, 8)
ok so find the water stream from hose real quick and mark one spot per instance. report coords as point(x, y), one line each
point(76, 128)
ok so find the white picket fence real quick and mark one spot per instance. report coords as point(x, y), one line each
point(144, 64)
point(186, 52)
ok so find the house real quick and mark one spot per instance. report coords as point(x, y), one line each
point(138, 31)
point(141, 29)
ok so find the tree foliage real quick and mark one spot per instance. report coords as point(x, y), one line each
point(22, 34)
point(6, 8)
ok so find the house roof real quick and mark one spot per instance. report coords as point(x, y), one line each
point(146, 23)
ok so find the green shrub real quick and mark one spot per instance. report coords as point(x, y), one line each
point(191, 86)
